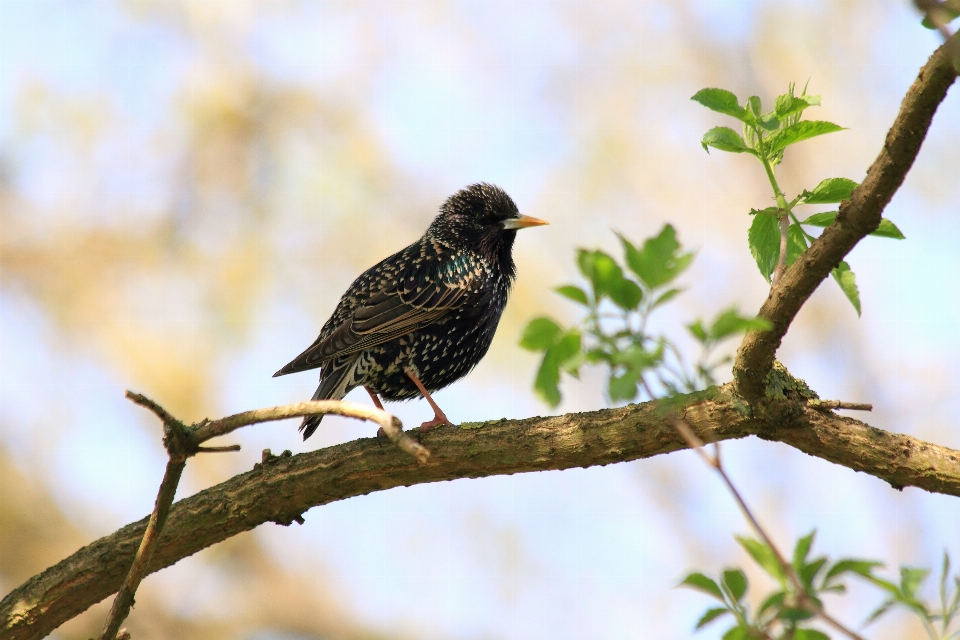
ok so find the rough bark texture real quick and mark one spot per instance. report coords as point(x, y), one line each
point(858, 216)
point(282, 488)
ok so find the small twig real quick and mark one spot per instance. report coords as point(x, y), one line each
point(144, 401)
point(231, 447)
point(124, 600)
point(696, 443)
point(782, 260)
point(826, 405)
point(390, 424)
point(182, 442)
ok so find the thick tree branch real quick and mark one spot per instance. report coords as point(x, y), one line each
point(858, 216)
point(282, 488)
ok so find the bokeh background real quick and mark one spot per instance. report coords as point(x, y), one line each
point(187, 187)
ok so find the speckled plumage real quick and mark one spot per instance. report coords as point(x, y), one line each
point(431, 308)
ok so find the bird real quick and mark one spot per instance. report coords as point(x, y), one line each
point(424, 317)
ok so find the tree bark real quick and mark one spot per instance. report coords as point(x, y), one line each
point(283, 487)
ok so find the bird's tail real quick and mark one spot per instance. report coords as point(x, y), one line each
point(336, 381)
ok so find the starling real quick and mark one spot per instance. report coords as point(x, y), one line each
point(424, 317)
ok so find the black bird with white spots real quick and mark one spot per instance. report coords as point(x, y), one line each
point(424, 317)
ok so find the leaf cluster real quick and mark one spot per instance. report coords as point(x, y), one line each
point(766, 136)
point(618, 299)
point(786, 612)
point(906, 595)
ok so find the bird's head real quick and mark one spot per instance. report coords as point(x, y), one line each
point(483, 217)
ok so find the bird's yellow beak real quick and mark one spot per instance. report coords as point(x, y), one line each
point(522, 222)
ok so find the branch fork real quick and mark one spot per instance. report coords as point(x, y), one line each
point(182, 442)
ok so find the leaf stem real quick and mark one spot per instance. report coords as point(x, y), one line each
point(782, 206)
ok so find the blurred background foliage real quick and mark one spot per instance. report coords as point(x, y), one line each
point(187, 187)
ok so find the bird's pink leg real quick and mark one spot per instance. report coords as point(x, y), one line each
point(438, 416)
point(380, 432)
point(373, 396)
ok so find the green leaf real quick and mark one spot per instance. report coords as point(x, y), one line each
point(737, 633)
point(947, 15)
point(557, 355)
point(764, 240)
point(626, 293)
point(798, 132)
point(731, 322)
point(660, 260)
point(736, 581)
point(824, 219)
point(764, 557)
point(721, 101)
point(946, 610)
point(888, 230)
point(879, 611)
point(601, 270)
point(910, 580)
point(540, 334)
point(769, 211)
point(796, 243)
point(710, 616)
point(574, 293)
point(794, 614)
point(829, 191)
point(848, 284)
point(809, 634)
point(725, 139)
point(572, 365)
point(665, 297)
point(773, 601)
point(624, 386)
point(788, 105)
point(849, 565)
point(548, 377)
point(696, 328)
point(809, 572)
point(753, 106)
point(802, 550)
point(566, 347)
point(638, 358)
point(702, 583)
point(886, 585)
point(770, 122)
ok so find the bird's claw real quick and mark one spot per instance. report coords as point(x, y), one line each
point(436, 422)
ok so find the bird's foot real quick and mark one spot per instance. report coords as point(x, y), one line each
point(438, 419)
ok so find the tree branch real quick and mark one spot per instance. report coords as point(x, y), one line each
point(858, 216)
point(281, 488)
point(182, 442)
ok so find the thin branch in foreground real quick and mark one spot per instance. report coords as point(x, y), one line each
point(804, 599)
point(696, 443)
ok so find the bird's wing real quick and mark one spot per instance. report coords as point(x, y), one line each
point(420, 294)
